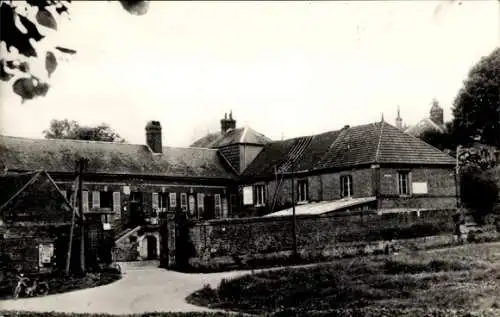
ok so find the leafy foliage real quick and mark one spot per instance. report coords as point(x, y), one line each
point(22, 25)
point(478, 191)
point(66, 129)
point(477, 106)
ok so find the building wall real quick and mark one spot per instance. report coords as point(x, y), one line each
point(441, 190)
point(381, 182)
point(122, 190)
point(254, 236)
point(247, 154)
point(232, 154)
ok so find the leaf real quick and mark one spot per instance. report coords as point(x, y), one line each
point(12, 36)
point(25, 88)
point(4, 75)
point(29, 87)
point(46, 19)
point(65, 50)
point(50, 63)
point(135, 7)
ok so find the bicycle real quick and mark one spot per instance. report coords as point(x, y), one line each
point(26, 287)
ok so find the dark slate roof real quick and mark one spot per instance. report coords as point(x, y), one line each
point(354, 146)
point(55, 155)
point(244, 135)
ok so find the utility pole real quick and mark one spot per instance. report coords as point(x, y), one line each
point(294, 220)
point(82, 164)
point(71, 231)
point(457, 177)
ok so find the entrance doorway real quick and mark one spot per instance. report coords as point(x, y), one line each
point(136, 211)
point(152, 247)
point(209, 212)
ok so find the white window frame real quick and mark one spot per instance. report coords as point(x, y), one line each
point(172, 200)
point(302, 191)
point(163, 202)
point(407, 191)
point(346, 185)
point(260, 195)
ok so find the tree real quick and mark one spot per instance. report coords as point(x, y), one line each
point(478, 191)
point(66, 129)
point(476, 108)
point(20, 25)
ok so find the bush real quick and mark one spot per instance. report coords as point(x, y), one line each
point(479, 192)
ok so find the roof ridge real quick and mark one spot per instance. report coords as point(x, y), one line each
point(377, 153)
point(244, 134)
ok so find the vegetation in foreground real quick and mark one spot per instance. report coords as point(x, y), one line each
point(465, 278)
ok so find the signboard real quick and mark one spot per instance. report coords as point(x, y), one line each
point(419, 188)
point(248, 195)
point(106, 226)
point(46, 252)
point(126, 190)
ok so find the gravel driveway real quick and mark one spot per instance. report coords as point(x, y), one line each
point(141, 290)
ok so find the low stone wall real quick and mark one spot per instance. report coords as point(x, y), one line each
point(328, 235)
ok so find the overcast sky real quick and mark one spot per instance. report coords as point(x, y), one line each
point(290, 68)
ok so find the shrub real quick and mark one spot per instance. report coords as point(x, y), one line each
point(479, 192)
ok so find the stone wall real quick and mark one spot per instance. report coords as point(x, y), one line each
point(252, 236)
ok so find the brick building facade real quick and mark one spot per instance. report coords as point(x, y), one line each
point(236, 173)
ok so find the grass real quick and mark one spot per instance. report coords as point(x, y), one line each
point(466, 278)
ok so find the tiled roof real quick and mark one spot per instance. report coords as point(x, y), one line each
point(244, 135)
point(424, 125)
point(110, 158)
point(365, 144)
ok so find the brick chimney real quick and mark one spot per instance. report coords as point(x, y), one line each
point(153, 136)
point(227, 123)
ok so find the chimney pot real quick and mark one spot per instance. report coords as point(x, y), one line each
point(347, 126)
point(227, 124)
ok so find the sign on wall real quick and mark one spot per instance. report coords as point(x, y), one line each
point(419, 188)
point(46, 252)
point(248, 195)
point(126, 190)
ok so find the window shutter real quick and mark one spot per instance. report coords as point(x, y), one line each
point(154, 201)
point(192, 205)
point(85, 201)
point(255, 195)
point(184, 206)
point(201, 204)
point(224, 208)
point(96, 199)
point(116, 203)
point(217, 206)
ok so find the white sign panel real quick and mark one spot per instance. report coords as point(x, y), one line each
point(126, 190)
point(248, 195)
point(46, 253)
point(419, 188)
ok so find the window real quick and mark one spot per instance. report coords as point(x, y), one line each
point(85, 201)
point(218, 206)
point(260, 195)
point(404, 183)
point(184, 203)
point(173, 200)
point(345, 186)
point(233, 203)
point(201, 204)
point(162, 201)
point(302, 190)
point(192, 207)
point(106, 200)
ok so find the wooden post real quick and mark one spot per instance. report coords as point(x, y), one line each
point(71, 231)
point(294, 220)
point(81, 166)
